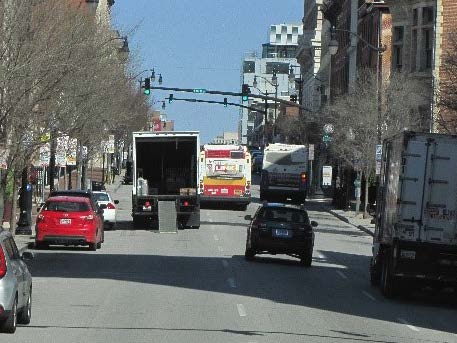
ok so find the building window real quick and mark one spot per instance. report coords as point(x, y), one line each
point(278, 38)
point(428, 48)
point(280, 68)
point(427, 15)
point(415, 17)
point(398, 48)
point(249, 67)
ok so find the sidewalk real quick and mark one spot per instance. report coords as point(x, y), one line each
point(349, 217)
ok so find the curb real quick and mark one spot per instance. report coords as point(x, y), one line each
point(346, 220)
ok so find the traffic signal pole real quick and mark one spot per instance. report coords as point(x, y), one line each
point(205, 91)
point(217, 102)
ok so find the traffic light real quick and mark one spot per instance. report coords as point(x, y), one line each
point(225, 102)
point(170, 99)
point(147, 86)
point(245, 90)
point(293, 98)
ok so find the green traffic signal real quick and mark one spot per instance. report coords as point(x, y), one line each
point(147, 91)
point(245, 98)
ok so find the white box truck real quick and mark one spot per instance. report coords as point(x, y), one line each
point(165, 179)
point(416, 224)
point(284, 172)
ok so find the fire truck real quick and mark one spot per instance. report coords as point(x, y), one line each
point(225, 175)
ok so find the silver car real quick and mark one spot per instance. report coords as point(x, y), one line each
point(15, 285)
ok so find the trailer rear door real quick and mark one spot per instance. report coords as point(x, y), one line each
point(440, 200)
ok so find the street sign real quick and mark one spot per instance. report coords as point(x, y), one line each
point(326, 175)
point(311, 152)
point(378, 152)
point(326, 138)
point(378, 167)
point(199, 90)
point(71, 151)
point(45, 155)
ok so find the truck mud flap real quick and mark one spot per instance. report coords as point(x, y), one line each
point(167, 217)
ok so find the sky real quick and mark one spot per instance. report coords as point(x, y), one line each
point(199, 44)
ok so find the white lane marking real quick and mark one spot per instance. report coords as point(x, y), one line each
point(210, 220)
point(368, 295)
point(216, 238)
point(225, 263)
point(341, 274)
point(221, 249)
point(231, 282)
point(241, 310)
point(412, 327)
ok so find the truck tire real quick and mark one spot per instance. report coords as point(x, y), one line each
point(388, 282)
point(263, 195)
point(137, 222)
point(249, 254)
point(375, 274)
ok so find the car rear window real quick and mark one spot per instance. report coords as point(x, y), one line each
point(284, 215)
point(66, 206)
point(101, 197)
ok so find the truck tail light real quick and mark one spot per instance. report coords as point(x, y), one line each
point(303, 177)
point(2, 263)
point(110, 206)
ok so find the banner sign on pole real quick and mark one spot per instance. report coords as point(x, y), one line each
point(326, 175)
point(72, 151)
point(311, 152)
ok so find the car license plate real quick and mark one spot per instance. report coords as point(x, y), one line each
point(281, 233)
point(65, 221)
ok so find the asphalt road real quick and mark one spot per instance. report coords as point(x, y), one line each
point(195, 286)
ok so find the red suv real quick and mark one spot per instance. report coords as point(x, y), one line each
point(67, 220)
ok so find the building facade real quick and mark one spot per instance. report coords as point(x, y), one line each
point(278, 56)
point(226, 138)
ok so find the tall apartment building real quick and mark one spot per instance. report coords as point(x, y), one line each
point(278, 56)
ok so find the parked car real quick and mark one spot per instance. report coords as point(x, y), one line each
point(109, 208)
point(67, 220)
point(84, 193)
point(257, 161)
point(15, 285)
point(280, 229)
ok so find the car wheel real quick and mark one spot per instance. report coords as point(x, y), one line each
point(93, 246)
point(99, 245)
point(10, 324)
point(26, 312)
point(306, 259)
point(249, 254)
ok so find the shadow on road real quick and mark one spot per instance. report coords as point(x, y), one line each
point(317, 287)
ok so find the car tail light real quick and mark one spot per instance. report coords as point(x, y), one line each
point(147, 204)
point(110, 206)
point(2, 263)
point(185, 203)
point(1, 310)
point(90, 217)
point(303, 177)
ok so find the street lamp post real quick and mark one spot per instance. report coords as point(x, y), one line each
point(274, 83)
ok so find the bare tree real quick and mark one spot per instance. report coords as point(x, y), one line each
point(359, 119)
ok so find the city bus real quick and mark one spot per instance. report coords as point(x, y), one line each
point(225, 175)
